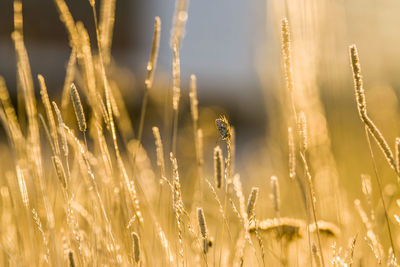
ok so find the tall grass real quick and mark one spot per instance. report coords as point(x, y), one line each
point(94, 194)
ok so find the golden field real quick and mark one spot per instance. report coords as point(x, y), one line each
point(84, 182)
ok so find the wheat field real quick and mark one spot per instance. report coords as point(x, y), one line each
point(79, 186)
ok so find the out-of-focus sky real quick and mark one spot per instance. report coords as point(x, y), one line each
point(219, 45)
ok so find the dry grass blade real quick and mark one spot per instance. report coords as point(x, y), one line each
point(106, 25)
point(160, 151)
point(49, 113)
point(42, 233)
point(83, 154)
point(69, 78)
point(366, 188)
point(25, 78)
point(237, 186)
point(59, 171)
point(221, 209)
point(151, 65)
point(15, 129)
point(251, 203)
point(61, 130)
point(48, 136)
point(151, 68)
point(176, 94)
point(22, 187)
point(350, 251)
point(362, 109)
point(199, 136)
point(371, 238)
point(313, 201)
point(67, 19)
point(85, 59)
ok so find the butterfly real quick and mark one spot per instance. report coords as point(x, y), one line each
point(223, 127)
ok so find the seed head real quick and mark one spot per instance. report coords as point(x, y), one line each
point(223, 127)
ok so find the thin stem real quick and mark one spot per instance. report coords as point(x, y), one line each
point(380, 189)
point(174, 130)
point(313, 197)
point(143, 114)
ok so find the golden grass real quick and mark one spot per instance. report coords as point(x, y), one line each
point(73, 202)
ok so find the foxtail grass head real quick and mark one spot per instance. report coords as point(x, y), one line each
point(223, 127)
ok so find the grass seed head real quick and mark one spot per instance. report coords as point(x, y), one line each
point(218, 167)
point(251, 204)
point(223, 127)
point(136, 247)
point(203, 229)
point(80, 115)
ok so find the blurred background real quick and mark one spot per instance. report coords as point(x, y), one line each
point(219, 47)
